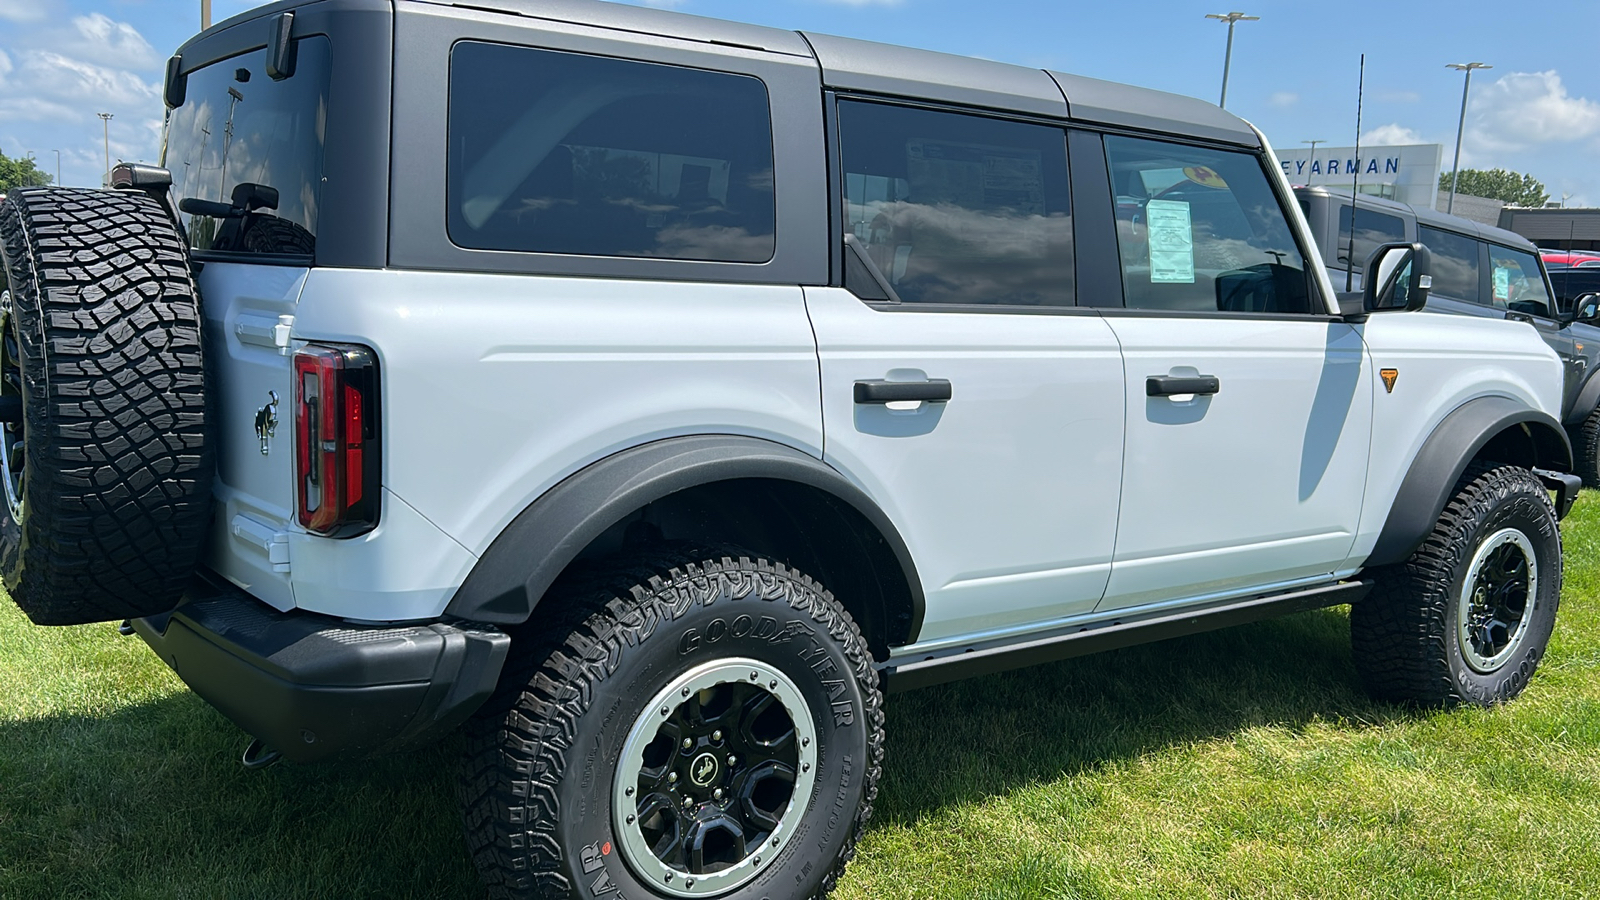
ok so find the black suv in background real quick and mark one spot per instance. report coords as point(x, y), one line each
point(1479, 270)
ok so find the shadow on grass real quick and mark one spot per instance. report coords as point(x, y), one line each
point(967, 740)
point(150, 800)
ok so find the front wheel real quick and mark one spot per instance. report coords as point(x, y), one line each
point(1467, 618)
point(701, 725)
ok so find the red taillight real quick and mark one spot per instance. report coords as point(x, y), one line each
point(336, 439)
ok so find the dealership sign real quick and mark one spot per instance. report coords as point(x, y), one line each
point(1296, 168)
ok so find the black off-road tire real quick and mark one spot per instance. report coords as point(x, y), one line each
point(1405, 636)
point(541, 763)
point(103, 343)
point(1586, 450)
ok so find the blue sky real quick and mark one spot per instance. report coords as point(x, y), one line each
point(1294, 71)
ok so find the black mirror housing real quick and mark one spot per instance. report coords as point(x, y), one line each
point(1398, 278)
point(1586, 308)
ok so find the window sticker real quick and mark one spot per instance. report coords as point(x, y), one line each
point(1206, 176)
point(1502, 284)
point(1171, 242)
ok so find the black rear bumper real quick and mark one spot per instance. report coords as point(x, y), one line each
point(314, 687)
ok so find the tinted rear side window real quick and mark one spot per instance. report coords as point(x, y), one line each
point(1455, 263)
point(1372, 229)
point(956, 208)
point(559, 152)
point(246, 151)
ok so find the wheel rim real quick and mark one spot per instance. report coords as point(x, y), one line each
point(714, 776)
point(12, 452)
point(1497, 600)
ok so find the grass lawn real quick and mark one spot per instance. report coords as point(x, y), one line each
point(1243, 763)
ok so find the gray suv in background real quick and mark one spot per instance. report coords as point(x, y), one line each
point(1478, 270)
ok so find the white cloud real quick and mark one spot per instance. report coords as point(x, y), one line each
point(1390, 135)
point(109, 43)
point(61, 77)
point(1524, 109)
point(1283, 99)
point(23, 10)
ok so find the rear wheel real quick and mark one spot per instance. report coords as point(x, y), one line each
point(708, 724)
point(105, 447)
point(1467, 618)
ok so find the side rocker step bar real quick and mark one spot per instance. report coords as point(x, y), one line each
point(1083, 639)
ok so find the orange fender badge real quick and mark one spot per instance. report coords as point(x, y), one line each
point(1389, 377)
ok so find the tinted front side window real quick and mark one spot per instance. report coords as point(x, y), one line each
point(566, 153)
point(1372, 229)
point(1455, 263)
point(1516, 283)
point(1201, 229)
point(245, 153)
point(956, 208)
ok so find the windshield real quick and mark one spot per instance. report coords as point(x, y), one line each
point(245, 152)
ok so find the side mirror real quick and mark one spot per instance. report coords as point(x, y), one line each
point(1586, 308)
point(1398, 277)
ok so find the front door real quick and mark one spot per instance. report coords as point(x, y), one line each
point(1249, 407)
point(1006, 493)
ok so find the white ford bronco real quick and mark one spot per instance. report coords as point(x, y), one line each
point(647, 394)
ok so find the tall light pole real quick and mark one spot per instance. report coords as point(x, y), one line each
point(205, 14)
point(1313, 153)
point(105, 119)
point(1227, 59)
point(58, 168)
point(1455, 167)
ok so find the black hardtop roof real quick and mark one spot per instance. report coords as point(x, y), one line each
point(1430, 217)
point(856, 65)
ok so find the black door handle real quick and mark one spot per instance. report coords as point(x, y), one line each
point(1167, 385)
point(934, 390)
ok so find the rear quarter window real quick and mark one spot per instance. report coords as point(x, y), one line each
point(557, 152)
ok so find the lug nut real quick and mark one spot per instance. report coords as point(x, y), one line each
point(774, 840)
point(686, 692)
point(630, 820)
point(687, 743)
point(732, 760)
point(805, 742)
point(716, 735)
point(716, 794)
point(805, 767)
point(665, 711)
point(772, 685)
point(754, 676)
point(628, 792)
point(672, 777)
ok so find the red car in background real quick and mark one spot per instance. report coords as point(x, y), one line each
point(1564, 259)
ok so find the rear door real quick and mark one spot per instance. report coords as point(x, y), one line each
point(1006, 491)
point(1249, 407)
point(246, 155)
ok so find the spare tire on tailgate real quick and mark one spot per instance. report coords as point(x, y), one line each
point(106, 452)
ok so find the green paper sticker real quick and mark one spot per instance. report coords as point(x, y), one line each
point(1502, 284)
point(1171, 242)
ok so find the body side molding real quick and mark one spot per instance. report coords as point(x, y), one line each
point(1112, 634)
point(1445, 454)
point(525, 559)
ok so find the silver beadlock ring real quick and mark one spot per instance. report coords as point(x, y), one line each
point(699, 791)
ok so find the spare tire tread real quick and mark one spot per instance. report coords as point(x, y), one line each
point(119, 456)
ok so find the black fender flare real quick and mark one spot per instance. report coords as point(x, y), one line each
point(1588, 398)
point(522, 562)
point(1455, 443)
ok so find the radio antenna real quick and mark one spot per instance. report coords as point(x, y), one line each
point(1355, 183)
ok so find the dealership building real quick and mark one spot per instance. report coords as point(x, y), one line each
point(1408, 173)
